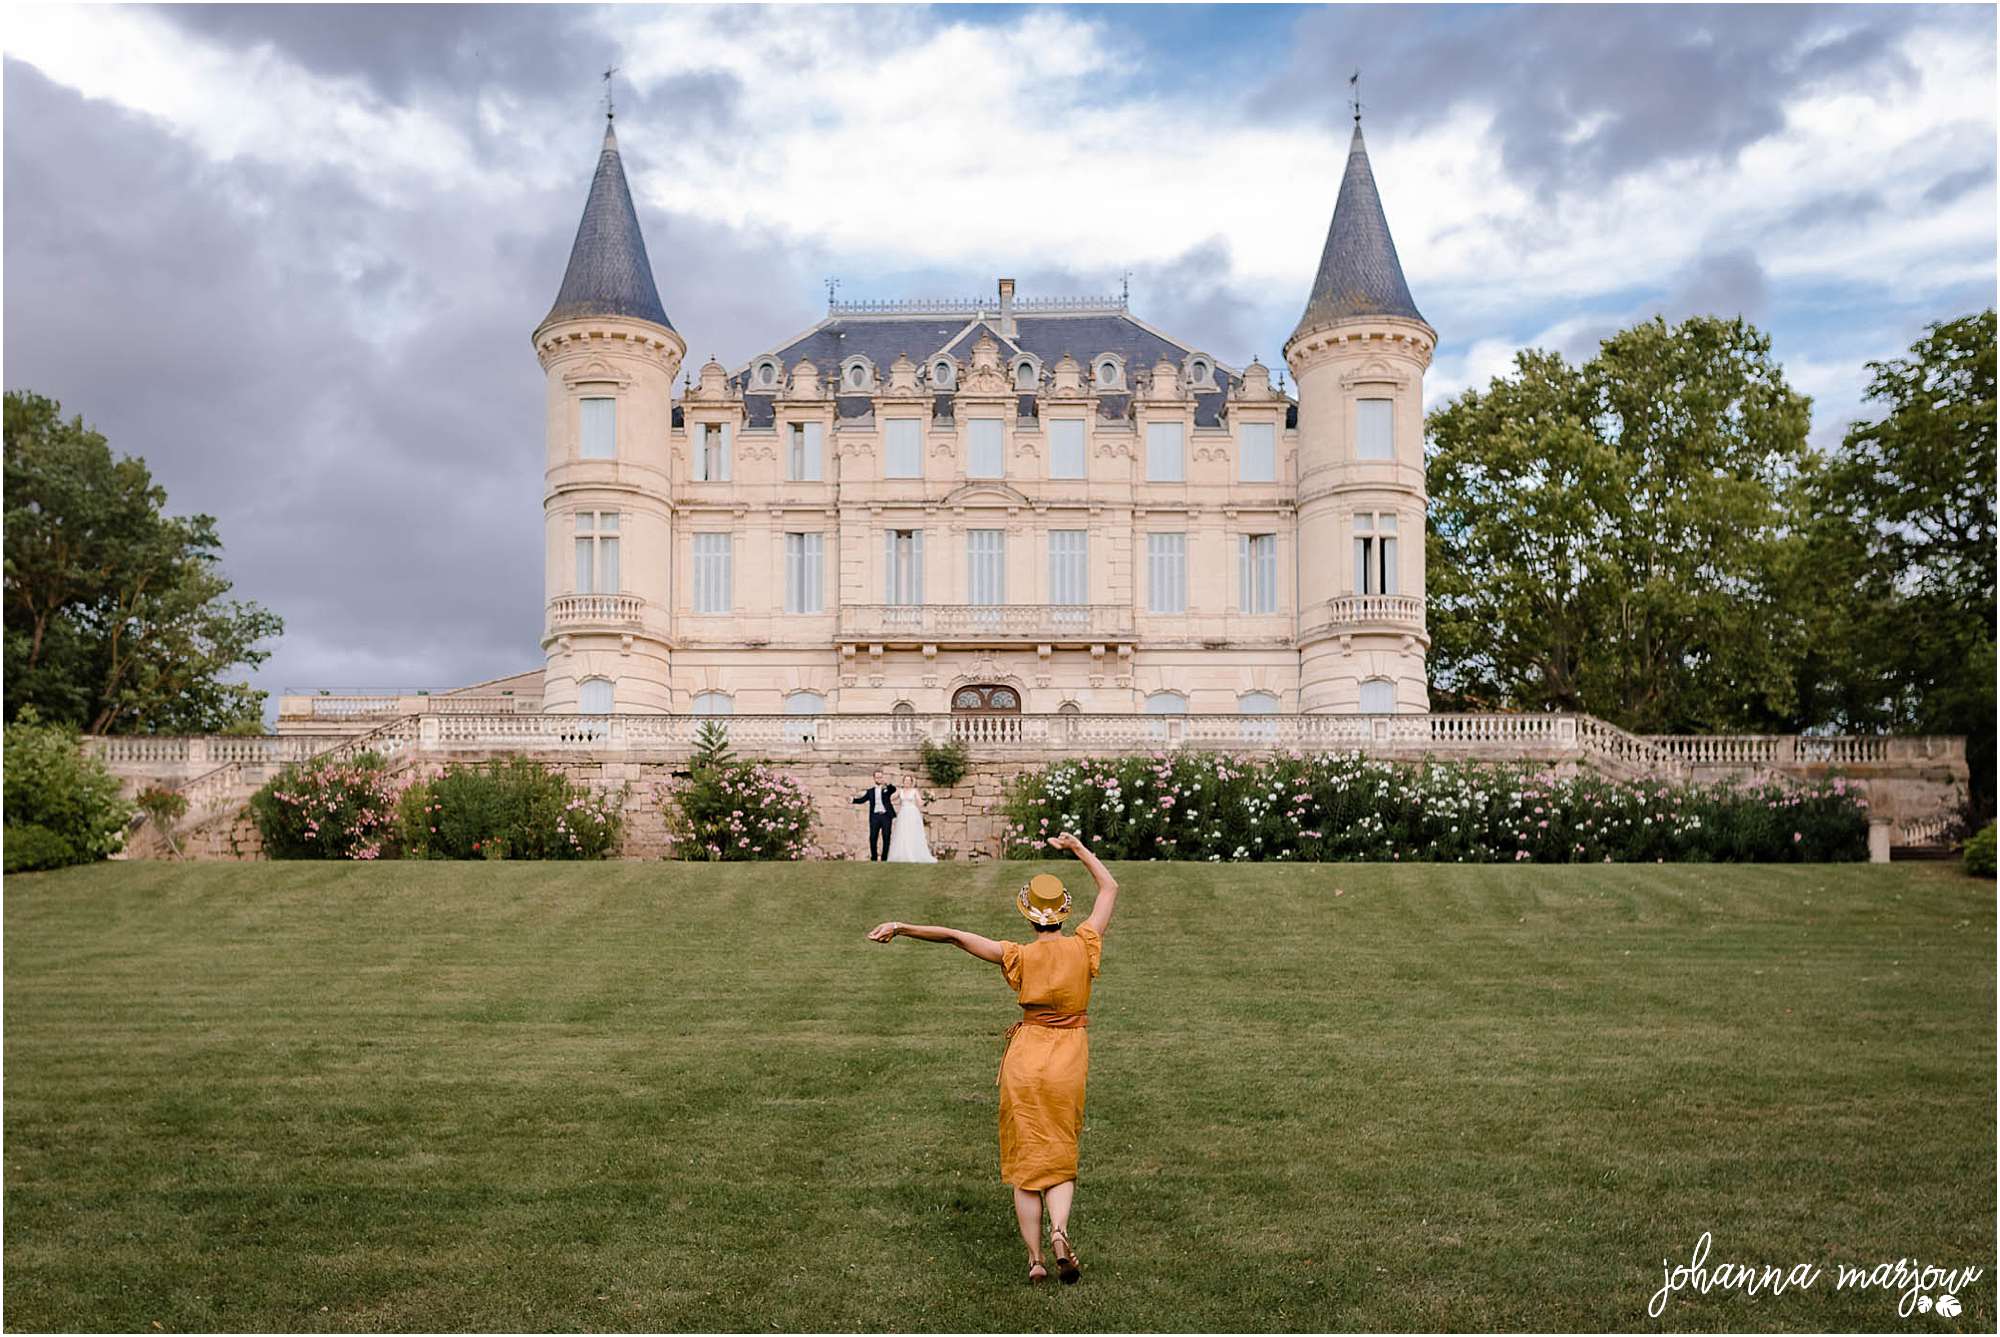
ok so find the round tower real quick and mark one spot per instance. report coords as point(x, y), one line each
point(1358, 356)
point(609, 355)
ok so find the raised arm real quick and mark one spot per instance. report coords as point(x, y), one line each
point(1107, 886)
point(984, 948)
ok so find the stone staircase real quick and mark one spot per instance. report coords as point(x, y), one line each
point(217, 797)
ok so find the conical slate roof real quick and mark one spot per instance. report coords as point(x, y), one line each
point(608, 273)
point(1359, 274)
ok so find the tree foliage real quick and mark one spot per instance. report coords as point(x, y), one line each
point(62, 806)
point(1615, 538)
point(117, 616)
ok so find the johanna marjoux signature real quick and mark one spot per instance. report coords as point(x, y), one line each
point(1922, 1289)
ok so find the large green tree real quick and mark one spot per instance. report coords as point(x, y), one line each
point(117, 615)
point(1903, 529)
point(1619, 537)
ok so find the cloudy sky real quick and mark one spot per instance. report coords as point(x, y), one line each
point(292, 255)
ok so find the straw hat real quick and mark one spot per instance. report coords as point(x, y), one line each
point(1044, 900)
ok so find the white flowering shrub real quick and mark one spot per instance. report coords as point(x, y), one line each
point(1342, 806)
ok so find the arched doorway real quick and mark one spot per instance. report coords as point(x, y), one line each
point(986, 713)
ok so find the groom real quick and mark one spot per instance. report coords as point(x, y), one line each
point(881, 816)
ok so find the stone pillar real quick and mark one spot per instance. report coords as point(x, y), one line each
point(1878, 840)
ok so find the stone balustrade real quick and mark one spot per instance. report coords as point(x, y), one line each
point(1374, 610)
point(946, 623)
point(576, 611)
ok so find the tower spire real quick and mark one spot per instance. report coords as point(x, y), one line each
point(1359, 274)
point(609, 274)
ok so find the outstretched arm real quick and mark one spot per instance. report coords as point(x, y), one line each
point(984, 948)
point(1107, 886)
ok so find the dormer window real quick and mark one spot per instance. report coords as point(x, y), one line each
point(1200, 373)
point(1025, 375)
point(943, 374)
point(857, 375)
point(765, 375)
point(1110, 374)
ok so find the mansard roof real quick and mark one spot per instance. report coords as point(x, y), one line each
point(1359, 274)
point(1084, 329)
point(609, 274)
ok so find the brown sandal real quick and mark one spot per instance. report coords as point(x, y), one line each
point(1067, 1266)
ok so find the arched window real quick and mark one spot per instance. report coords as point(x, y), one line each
point(1024, 376)
point(593, 696)
point(713, 703)
point(941, 374)
point(1166, 703)
point(1378, 697)
point(857, 376)
point(984, 713)
point(807, 704)
point(1198, 372)
point(767, 374)
point(903, 722)
point(1258, 732)
point(1107, 375)
point(1067, 719)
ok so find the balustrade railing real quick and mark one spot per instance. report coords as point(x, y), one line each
point(945, 622)
point(1399, 610)
point(596, 610)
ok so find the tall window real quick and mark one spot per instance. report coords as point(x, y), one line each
point(903, 448)
point(1375, 553)
point(713, 703)
point(1166, 703)
point(1166, 572)
point(1257, 452)
point(1066, 448)
point(1378, 697)
point(598, 421)
point(597, 552)
point(1069, 566)
point(593, 696)
point(711, 456)
point(1163, 453)
point(986, 566)
point(802, 459)
point(712, 593)
point(1257, 563)
point(1260, 732)
point(805, 704)
point(984, 458)
point(805, 573)
point(904, 567)
point(1374, 429)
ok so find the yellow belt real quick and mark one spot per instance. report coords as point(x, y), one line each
point(1055, 1021)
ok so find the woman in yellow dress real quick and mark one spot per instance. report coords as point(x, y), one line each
point(1047, 1057)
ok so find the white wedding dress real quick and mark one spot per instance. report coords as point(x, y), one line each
point(907, 842)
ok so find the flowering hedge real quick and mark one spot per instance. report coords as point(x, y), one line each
point(513, 809)
point(329, 809)
point(739, 811)
point(1340, 806)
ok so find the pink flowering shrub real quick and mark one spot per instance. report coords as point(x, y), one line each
point(513, 809)
point(1342, 806)
point(739, 811)
point(333, 809)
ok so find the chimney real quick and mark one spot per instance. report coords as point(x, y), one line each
point(1006, 308)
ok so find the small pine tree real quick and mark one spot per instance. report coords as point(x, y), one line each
point(711, 746)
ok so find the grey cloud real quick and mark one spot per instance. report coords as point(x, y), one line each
point(1846, 207)
point(1952, 185)
point(1582, 95)
point(1720, 283)
point(348, 388)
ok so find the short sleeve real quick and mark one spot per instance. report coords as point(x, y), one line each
point(1010, 964)
point(1093, 946)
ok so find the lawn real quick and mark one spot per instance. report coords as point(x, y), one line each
point(649, 1096)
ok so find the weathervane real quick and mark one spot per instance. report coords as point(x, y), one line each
point(1125, 291)
point(1354, 93)
point(609, 110)
point(832, 287)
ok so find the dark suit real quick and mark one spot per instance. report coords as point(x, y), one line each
point(879, 822)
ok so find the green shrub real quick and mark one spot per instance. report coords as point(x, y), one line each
point(739, 811)
point(1345, 807)
point(71, 798)
point(513, 809)
point(944, 765)
point(31, 849)
point(329, 809)
point(1979, 853)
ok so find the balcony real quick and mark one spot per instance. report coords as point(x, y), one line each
point(986, 624)
point(583, 612)
point(1363, 612)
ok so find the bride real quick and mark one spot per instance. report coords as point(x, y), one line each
point(907, 842)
